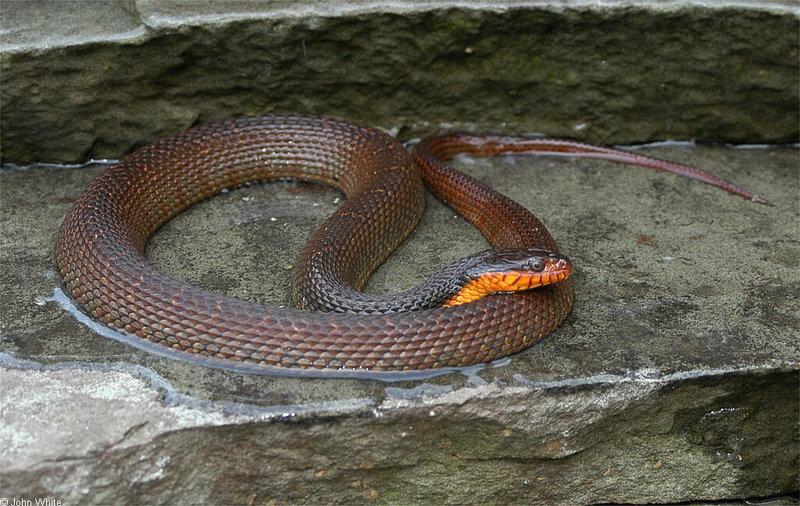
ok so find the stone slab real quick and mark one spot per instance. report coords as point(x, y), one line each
point(678, 367)
point(115, 75)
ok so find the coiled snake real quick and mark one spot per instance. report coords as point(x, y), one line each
point(100, 252)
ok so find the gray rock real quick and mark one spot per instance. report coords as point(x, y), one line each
point(94, 80)
point(674, 379)
point(641, 437)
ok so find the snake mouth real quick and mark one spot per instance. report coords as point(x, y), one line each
point(559, 271)
point(535, 272)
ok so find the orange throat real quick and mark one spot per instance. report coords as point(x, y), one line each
point(503, 283)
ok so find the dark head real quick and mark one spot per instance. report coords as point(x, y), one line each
point(511, 270)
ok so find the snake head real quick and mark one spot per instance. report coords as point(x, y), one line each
point(511, 270)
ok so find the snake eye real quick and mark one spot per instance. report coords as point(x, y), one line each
point(537, 265)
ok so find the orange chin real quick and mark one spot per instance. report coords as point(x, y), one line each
point(504, 282)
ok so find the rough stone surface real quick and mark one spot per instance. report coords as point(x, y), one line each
point(674, 379)
point(666, 438)
point(116, 75)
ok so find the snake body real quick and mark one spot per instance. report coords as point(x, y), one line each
point(100, 252)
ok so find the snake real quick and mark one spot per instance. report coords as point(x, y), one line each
point(487, 306)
